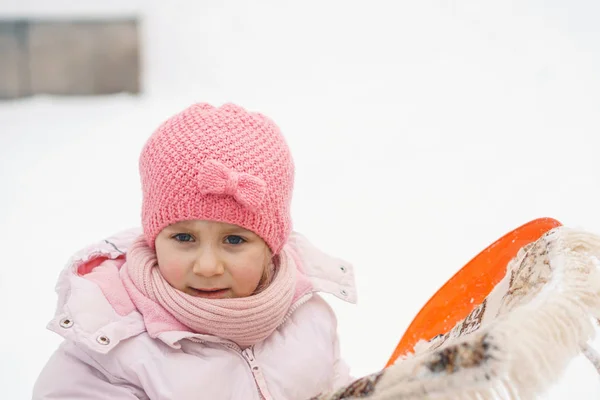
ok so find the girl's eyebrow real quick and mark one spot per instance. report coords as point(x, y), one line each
point(236, 229)
point(180, 224)
point(178, 227)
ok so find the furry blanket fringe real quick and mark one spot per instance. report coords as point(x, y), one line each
point(514, 345)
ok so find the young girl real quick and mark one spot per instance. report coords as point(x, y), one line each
point(216, 298)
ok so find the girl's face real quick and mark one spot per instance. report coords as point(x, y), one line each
point(212, 259)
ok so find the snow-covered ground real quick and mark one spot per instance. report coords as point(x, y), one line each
point(422, 131)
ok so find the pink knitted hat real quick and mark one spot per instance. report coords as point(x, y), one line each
point(220, 164)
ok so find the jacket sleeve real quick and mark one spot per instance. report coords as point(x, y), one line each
point(341, 370)
point(67, 376)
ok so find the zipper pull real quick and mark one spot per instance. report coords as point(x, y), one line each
point(249, 354)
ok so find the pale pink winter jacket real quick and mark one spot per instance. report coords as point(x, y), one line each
point(109, 356)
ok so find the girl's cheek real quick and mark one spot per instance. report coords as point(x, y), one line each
point(173, 272)
point(248, 277)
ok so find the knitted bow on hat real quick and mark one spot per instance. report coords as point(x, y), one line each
point(216, 178)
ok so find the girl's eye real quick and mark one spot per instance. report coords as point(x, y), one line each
point(183, 237)
point(234, 239)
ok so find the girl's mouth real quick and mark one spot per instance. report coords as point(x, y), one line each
point(209, 293)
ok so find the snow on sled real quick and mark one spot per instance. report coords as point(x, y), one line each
point(506, 326)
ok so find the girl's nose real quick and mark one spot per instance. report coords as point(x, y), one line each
point(208, 263)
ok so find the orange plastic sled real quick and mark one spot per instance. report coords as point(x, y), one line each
point(469, 286)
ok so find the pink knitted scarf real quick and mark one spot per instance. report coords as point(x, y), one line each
point(245, 321)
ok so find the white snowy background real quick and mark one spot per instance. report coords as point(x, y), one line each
point(422, 131)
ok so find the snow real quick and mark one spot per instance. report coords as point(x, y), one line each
point(422, 131)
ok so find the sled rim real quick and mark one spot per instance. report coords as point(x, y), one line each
point(467, 289)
